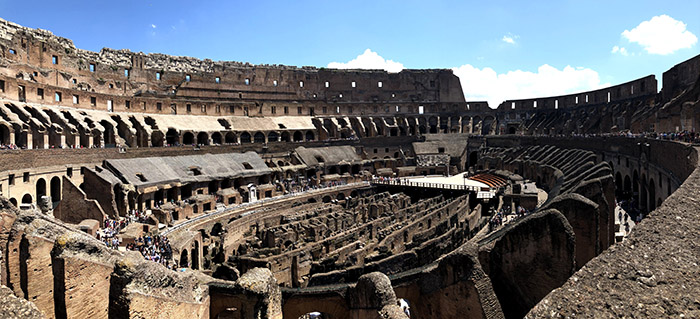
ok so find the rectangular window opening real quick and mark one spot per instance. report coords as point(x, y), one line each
point(54, 59)
point(58, 97)
point(247, 81)
point(188, 78)
point(328, 84)
point(301, 84)
point(40, 93)
point(421, 109)
point(354, 84)
point(158, 75)
point(274, 82)
point(379, 84)
point(217, 80)
point(92, 67)
point(93, 101)
point(76, 99)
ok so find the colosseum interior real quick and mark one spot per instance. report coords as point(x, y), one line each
point(153, 186)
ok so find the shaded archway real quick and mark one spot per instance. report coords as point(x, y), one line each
point(55, 189)
point(13, 201)
point(216, 138)
point(27, 199)
point(188, 138)
point(172, 137)
point(245, 137)
point(285, 137)
point(184, 262)
point(310, 136)
point(202, 138)
point(273, 137)
point(156, 139)
point(4, 134)
point(473, 158)
point(259, 137)
point(230, 138)
point(40, 188)
point(298, 136)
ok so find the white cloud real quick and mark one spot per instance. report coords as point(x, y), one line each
point(661, 35)
point(153, 26)
point(620, 50)
point(509, 38)
point(486, 84)
point(368, 60)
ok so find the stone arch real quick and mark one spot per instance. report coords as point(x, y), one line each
point(473, 158)
point(246, 138)
point(184, 262)
point(259, 138)
point(298, 136)
point(511, 130)
point(285, 137)
point(433, 124)
point(230, 138)
point(195, 255)
point(310, 136)
point(216, 138)
point(188, 138)
point(273, 137)
point(156, 139)
point(40, 188)
point(55, 189)
point(643, 198)
point(27, 199)
point(13, 201)
point(4, 134)
point(202, 138)
point(172, 137)
point(627, 188)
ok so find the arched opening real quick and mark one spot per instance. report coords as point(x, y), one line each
point(217, 229)
point(340, 196)
point(393, 132)
point(326, 199)
point(310, 136)
point(216, 138)
point(273, 137)
point(55, 189)
point(245, 138)
point(202, 138)
point(4, 135)
point(259, 137)
point(230, 138)
point(473, 158)
point(511, 130)
point(156, 139)
point(618, 184)
point(40, 188)
point(172, 137)
point(27, 199)
point(285, 137)
point(13, 201)
point(195, 255)
point(213, 187)
point(188, 138)
point(422, 129)
point(298, 136)
point(184, 262)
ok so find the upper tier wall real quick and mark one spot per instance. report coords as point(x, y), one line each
point(38, 56)
point(636, 88)
point(680, 77)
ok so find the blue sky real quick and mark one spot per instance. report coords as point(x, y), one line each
point(500, 49)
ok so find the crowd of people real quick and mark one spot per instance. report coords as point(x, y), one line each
point(502, 216)
point(8, 147)
point(154, 248)
point(306, 184)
